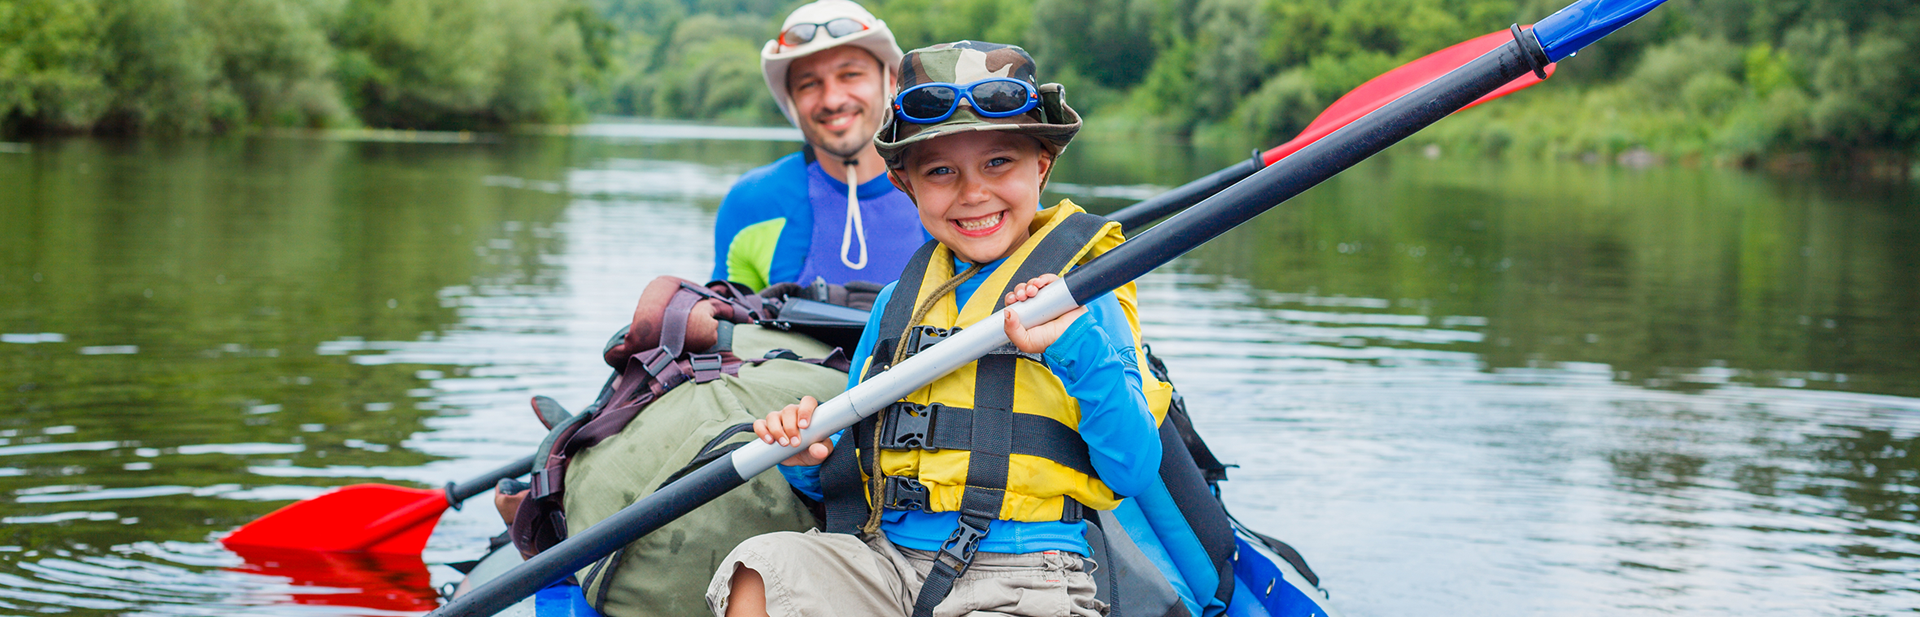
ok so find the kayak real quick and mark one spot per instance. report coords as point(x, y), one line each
point(1267, 585)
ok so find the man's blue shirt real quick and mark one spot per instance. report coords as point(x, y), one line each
point(784, 222)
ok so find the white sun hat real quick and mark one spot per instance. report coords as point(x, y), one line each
point(876, 39)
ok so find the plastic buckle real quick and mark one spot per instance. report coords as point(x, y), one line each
point(905, 493)
point(964, 542)
point(909, 426)
point(653, 361)
point(706, 366)
point(922, 337)
point(543, 484)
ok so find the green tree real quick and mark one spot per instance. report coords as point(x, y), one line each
point(457, 63)
point(274, 58)
point(705, 74)
point(52, 63)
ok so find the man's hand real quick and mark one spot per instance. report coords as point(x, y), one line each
point(1037, 338)
point(783, 428)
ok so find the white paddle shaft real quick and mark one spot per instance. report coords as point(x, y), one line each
point(873, 395)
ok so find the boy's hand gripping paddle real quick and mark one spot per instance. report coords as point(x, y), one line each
point(1554, 38)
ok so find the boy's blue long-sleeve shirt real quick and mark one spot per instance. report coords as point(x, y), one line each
point(1094, 359)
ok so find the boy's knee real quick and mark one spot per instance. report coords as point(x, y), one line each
point(747, 576)
point(746, 594)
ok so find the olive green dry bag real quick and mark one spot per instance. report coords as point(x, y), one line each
point(666, 572)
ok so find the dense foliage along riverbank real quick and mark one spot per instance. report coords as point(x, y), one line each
point(1734, 79)
point(208, 65)
point(1722, 79)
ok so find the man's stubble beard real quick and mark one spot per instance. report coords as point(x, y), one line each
point(854, 141)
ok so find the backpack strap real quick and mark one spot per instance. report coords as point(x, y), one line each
point(541, 521)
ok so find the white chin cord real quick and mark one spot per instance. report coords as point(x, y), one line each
point(853, 227)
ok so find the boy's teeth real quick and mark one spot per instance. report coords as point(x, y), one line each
point(979, 224)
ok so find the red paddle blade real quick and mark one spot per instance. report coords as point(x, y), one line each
point(373, 518)
point(375, 581)
point(1395, 83)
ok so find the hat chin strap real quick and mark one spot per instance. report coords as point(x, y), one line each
point(853, 226)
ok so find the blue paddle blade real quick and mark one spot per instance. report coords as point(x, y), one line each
point(1581, 23)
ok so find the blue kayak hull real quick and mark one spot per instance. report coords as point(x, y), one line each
point(1270, 587)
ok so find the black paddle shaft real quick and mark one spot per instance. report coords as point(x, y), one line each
point(1151, 209)
point(460, 493)
point(1304, 169)
point(1212, 217)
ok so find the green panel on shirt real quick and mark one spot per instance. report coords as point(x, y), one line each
point(750, 255)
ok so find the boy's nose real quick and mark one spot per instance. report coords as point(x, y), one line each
point(973, 190)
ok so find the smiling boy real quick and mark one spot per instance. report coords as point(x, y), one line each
point(971, 494)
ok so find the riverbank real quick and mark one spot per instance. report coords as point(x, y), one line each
point(1516, 129)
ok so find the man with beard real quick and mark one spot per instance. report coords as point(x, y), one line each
point(831, 69)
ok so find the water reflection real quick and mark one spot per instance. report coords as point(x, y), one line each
point(1455, 385)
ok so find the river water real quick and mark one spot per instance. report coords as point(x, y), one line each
point(1458, 386)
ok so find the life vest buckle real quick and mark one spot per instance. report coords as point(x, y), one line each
point(905, 493)
point(965, 541)
point(919, 338)
point(909, 426)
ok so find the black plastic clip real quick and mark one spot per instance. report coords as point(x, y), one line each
point(909, 426)
point(965, 541)
point(921, 337)
point(905, 493)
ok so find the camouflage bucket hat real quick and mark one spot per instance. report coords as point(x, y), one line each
point(1052, 122)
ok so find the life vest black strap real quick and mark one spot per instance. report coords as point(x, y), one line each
point(911, 426)
point(907, 493)
point(843, 490)
point(987, 468)
point(899, 309)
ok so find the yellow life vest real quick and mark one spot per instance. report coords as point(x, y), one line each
point(933, 436)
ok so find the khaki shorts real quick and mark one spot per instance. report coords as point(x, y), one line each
point(817, 574)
